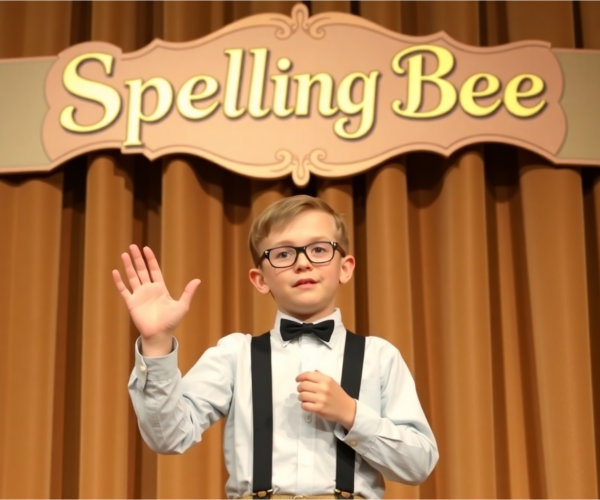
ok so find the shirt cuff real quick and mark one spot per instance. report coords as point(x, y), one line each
point(155, 368)
point(359, 437)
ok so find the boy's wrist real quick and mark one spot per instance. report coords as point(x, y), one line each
point(347, 420)
point(157, 346)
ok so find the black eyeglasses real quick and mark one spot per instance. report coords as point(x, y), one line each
point(318, 252)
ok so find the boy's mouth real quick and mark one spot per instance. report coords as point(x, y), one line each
point(305, 281)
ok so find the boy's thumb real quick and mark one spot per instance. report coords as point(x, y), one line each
point(189, 291)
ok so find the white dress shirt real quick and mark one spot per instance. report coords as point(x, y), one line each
point(390, 435)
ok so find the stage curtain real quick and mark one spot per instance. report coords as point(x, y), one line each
point(483, 268)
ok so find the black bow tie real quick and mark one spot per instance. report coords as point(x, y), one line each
point(291, 329)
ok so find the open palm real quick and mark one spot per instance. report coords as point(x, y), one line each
point(153, 311)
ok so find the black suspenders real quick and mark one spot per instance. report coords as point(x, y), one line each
point(351, 374)
point(262, 410)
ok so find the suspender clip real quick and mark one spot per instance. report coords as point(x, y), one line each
point(343, 494)
point(262, 494)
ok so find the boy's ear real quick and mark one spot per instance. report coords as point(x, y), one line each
point(346, 268)
point(258, 280)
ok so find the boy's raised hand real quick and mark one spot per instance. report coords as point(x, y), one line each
point(153, 311)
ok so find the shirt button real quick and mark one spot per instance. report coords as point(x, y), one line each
point(308, 418)
point(353, 443)
point(143, 368)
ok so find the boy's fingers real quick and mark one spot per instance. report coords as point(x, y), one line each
point(313, 376)
point(189, 291)
point(139, 264)
point(153, 267)
point(307, 387)
point(130, 272)
point(119, 282)
point(123, 290)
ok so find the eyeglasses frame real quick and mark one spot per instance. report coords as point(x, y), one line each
point(302, 249)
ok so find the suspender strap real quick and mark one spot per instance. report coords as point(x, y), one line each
point(354, 352)
point(262, 410)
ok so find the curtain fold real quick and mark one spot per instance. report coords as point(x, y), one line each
point(453, 305)
point(483, 269)
point(30, 261)
point(510, 326)
point(105, 333)
point(592, 218)
point(555, 253)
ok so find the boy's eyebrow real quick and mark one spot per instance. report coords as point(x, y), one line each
point(290, 243)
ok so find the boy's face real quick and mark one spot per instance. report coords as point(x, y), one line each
point(304, 290)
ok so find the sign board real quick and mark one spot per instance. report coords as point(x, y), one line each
point(273, 95)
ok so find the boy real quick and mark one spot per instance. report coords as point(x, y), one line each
point(291, 428)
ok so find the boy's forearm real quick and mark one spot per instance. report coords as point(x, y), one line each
point(401, 452)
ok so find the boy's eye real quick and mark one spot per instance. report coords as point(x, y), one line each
point(318, 249)
point(282, 254)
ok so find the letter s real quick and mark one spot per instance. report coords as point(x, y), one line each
point(103, 94)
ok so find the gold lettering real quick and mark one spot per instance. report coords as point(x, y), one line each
point(365, 105)
point(257, 84)
point(468, 94)
point(106, 96)
point(416, 81)
point(136, 115)
point(189, 93)
point(350, 101)
point(281, 89)
point(232, 84)
point(305, 82)
point(513, 94)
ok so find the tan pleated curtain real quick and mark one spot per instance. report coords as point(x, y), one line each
point(483, 268)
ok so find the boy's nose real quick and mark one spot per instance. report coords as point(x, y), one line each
point(302, 260)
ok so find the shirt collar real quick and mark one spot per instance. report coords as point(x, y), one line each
point(339, 330)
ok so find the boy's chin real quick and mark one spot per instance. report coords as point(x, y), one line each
point(307, 312)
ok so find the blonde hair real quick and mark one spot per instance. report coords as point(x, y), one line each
point(283, 211)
